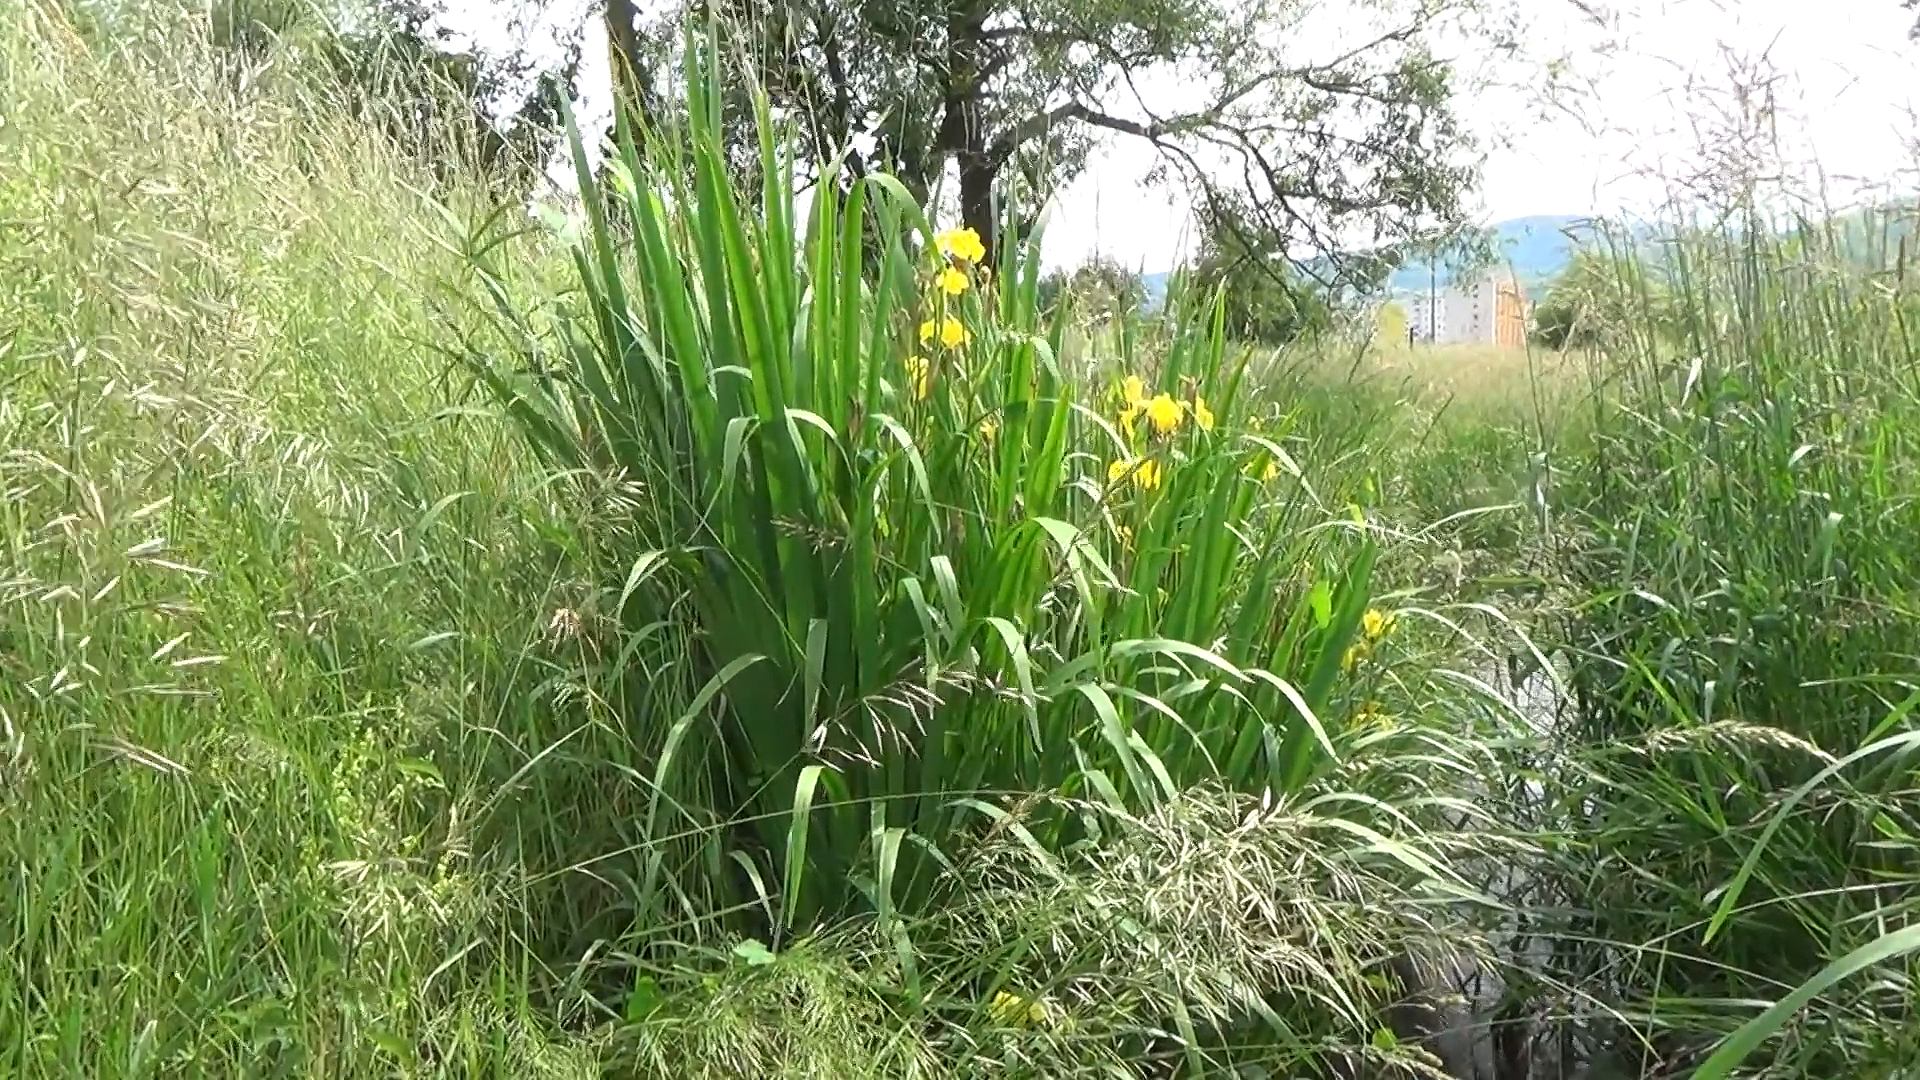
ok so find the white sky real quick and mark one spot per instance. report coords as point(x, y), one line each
point(1850, 79)
point(1643, 74)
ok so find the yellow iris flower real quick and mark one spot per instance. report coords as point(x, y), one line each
point(1148, 476)
point(1145, 473)
point(1164, 414)
point(1376, 624)
point(1013, 1010)
point(952, 333)
point(963, 244)
point(1133, 390)
point(1202, 415)
point(952, 281)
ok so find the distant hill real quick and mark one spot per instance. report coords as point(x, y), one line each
point(1537, 248)
point(1156, 287)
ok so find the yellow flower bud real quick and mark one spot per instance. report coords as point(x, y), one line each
point(920, 376)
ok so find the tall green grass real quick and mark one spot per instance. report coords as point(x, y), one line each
point(895, 581)
point(1742, 532)
point(254, 663)
point(915, 572)
point(433, 647)
point(759, 714)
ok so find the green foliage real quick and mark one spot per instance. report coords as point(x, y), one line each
point(241, 647)
point(797, 709)
point(1099, 288)
point(1745, 635)
point(1604, 297)
point(810, 1011)
point(869, 655)
point(1711, 526)
point(1265, 297)
point(896, 583)
point(391, 65)
point(1017, 94)
point(1190, 915)
point(357, 743)
point(1569, 316)
point(472, 115)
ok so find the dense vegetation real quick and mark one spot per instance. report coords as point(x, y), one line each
point(712, 638)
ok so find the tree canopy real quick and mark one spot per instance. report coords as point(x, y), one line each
point(1330, 121)
point(1267, 299)
point(395, 64)
point(1100, 288)
point(1312, 126)
point(1593, 299)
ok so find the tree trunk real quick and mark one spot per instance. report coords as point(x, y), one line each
point(977, 174)
point(623, 54)
point(960, 130)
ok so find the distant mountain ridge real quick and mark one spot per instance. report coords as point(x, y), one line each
point(1155, 286)
point(1536, 247)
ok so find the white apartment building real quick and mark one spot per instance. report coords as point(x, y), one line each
point(1490, 309)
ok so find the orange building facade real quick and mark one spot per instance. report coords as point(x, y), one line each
point(1510, 310)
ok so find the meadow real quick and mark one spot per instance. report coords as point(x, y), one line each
point(716, 640)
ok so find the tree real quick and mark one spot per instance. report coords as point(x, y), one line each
point(453, 104)
point(635, 50)
point(1100, 288)
point(1359, 142)
point(1268, 298)
point(1590, 300)
point(396, 66)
